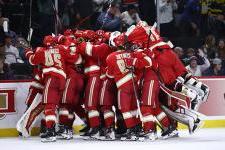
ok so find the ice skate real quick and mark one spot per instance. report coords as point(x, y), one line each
point(109, 135)
point(92, 133)
point(131, 134)
point(49, 135)
point(169, 133)
point(150, 136)
point(64, 132)
point(42, 130)
point(197, 125)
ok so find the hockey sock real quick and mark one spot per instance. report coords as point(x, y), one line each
point(93, 116)
point(63, 116)
point(148, 118)
point(108, 115)
point(130, 118)
point(50, 115)
point(162, 117)
point(79, 110)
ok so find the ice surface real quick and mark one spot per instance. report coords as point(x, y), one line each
point(204, 139)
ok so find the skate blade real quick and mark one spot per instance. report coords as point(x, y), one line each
point(133, 138)
point(107, 139)
point(170, 136)
point(52, 139)
point(64, 137)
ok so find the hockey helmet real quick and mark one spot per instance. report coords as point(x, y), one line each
point(48, 40)
point(89, 34)
point(112, 37)
point(68, 32)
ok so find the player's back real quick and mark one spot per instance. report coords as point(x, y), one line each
point(117, 68)
point(54, 60)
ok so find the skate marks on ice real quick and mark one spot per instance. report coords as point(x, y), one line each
point(205, 139)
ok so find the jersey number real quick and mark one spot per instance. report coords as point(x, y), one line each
point(121, 65)
point(50, 59)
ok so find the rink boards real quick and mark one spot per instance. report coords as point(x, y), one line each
point(13, 95)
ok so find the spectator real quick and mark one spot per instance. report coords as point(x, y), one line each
point(221, 49)
point(166, 8)
point(2, 49)
point(196, 69)
point(189, 19)
point(204, 16)
point(147, 10)
point(216, 69)
point(45, 16)
point(5, 73)
point(98, 4)
point(190, 52)
point(130, 17)
point(109, 19)
point(11, 52)
point(179, 51)
point(217, 25)
point(209, 46)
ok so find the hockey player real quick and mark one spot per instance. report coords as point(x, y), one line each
point(108, 90)
point(150, 89)
point(170, 68)
point(120, 67)
point(92, 86)
point(52, 59)
point(171, 72)
point(73, 88)
point(34, 106)
point(35, 87)
point(98, 53)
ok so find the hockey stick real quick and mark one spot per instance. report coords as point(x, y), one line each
point(29, 36)
point(136, 95)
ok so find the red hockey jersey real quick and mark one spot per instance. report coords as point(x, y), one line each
point(71, 67)
point(94, 56)
point(170, 66)
point(119, 64)
point(52, 59)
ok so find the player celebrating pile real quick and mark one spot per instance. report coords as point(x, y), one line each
point(137, 72)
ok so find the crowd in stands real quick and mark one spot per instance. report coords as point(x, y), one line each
point(195, 27)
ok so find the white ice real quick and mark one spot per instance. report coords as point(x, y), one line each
point(204, 139)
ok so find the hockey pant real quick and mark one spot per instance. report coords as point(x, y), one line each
point(150, 107)
point(91, 100)
point(127, 104)
point(71, 99)
point(52, 95)
point(107, 100)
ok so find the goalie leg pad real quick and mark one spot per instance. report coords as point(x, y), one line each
point(27, 120)
point(180, 117)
